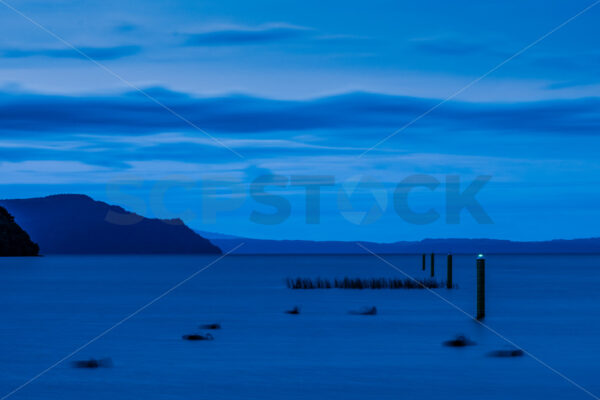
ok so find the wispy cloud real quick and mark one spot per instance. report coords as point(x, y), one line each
point(162, 139)
point(58, 145)
point(447, 47)
point(50, 172)
point(240, 36)
point(97, 53)
point(455, 46)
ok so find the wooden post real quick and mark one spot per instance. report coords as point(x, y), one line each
point(480, 287)
point(432, 264)
point(449, 278)
point(424, 261)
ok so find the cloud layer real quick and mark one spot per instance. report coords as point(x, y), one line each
point(320, 88)
point(135, 113)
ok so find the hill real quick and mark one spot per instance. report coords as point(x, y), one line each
point(14, 241)
point(77, 224)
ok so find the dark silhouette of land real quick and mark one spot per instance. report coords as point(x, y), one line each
point(14, 241)
point(77, 224)
point(440, 246)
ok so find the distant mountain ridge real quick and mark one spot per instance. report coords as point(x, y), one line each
point(77, 224)
point(14, 241)
point(455, 246)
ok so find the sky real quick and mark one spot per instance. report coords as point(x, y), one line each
point(221, 112)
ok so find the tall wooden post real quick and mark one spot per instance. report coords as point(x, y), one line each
point(449, 277)
point(424, 261)
point(480, 287)
point(432, 264)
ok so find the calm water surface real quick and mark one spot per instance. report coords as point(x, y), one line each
point(49, 306)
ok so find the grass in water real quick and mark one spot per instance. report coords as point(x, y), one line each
point(358, 283)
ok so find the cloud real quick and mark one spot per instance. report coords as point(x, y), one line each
point(97, 53)
point(569, 84)
point(126, 27)
point(134, 114)
point(247, 36)
point(446, 47)
point(144, 141)
point(343, 167)
point(343, 39)
point(578, 70)
point(49, 172)
point(449, 46)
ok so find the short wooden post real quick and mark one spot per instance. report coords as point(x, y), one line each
point(480, 287)
point(449, 277)
point(424, 261)
point(432, 264)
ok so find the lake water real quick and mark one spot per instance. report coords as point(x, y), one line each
point(49, 306)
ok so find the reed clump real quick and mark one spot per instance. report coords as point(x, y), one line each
point(360, 283)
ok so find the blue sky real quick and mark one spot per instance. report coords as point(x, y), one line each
point(303, 89)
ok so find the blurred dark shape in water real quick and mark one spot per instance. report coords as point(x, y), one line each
point(295, 310)
point(93, 363)
point(368, 311)
point(459, 341)
point(507, 353)
point(198, 336)
point(211, 326)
